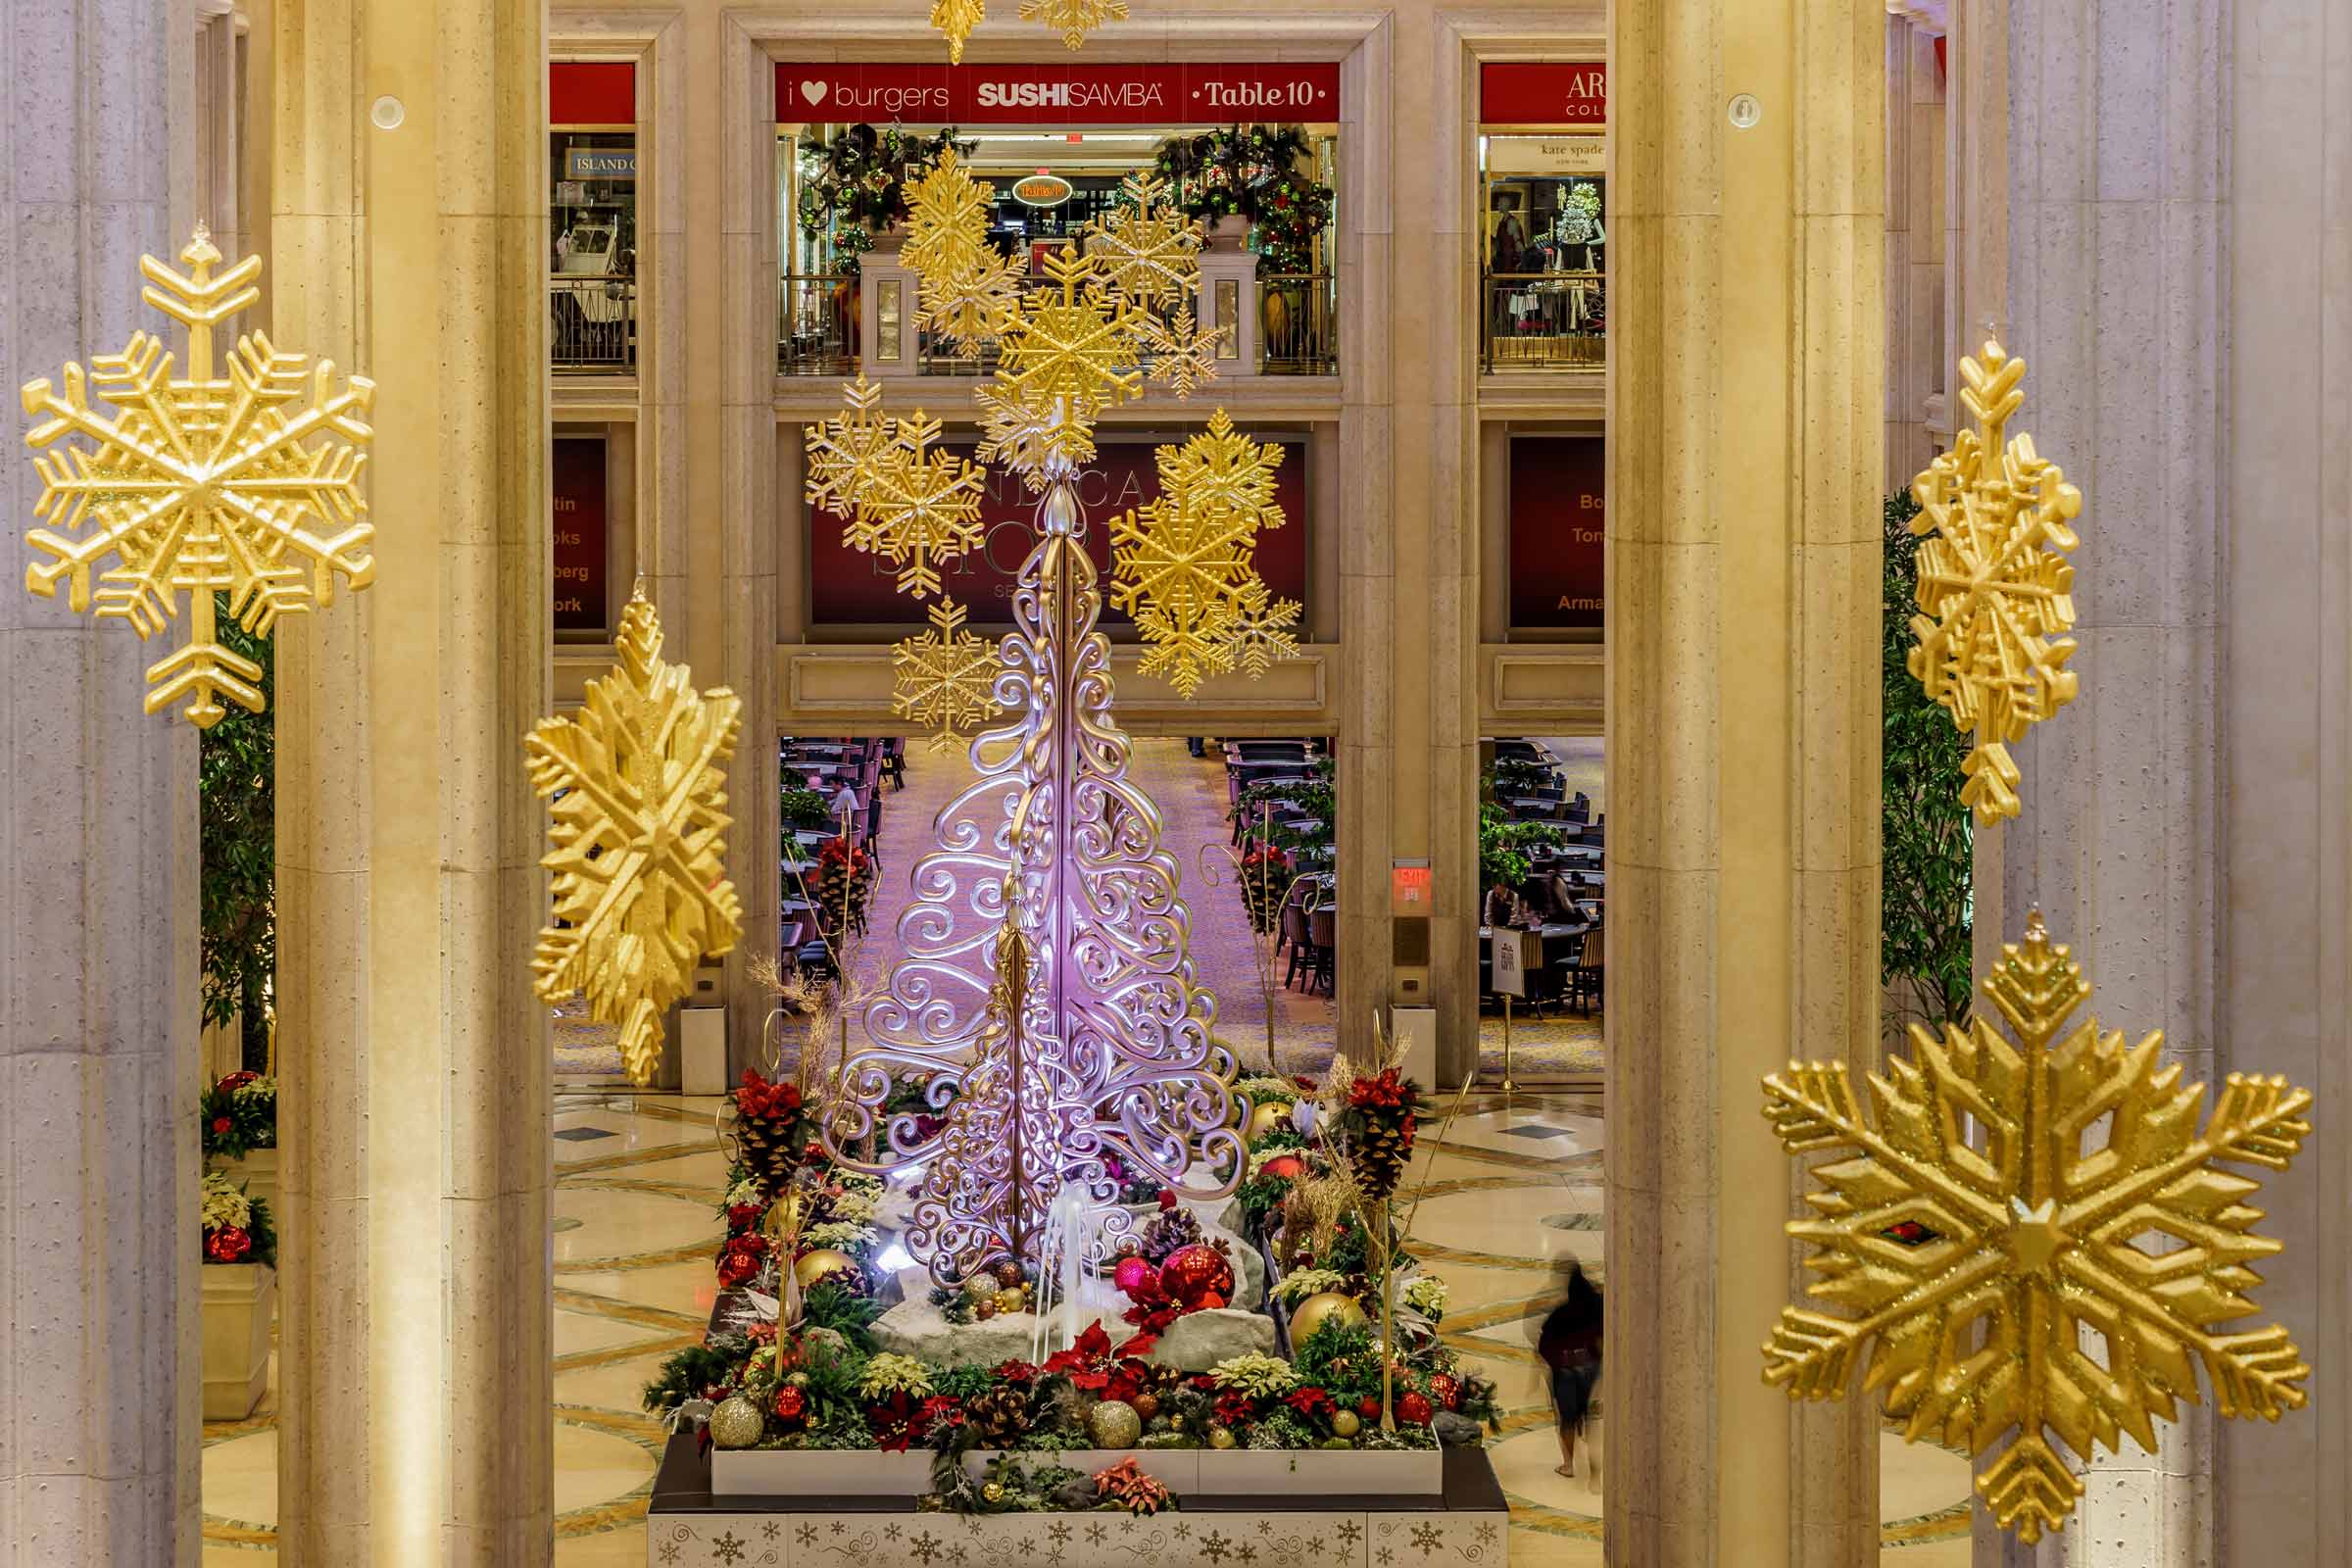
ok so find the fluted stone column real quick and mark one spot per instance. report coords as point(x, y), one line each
point(99, 1368)
point(1745, 366)
point(409, 201)
point(2116, 229)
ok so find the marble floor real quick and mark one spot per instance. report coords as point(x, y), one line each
point(1513, 1190)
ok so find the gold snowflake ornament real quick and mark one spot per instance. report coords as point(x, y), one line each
point(956, 20)
point(1146, 249)
point(1073, 18)
point(201, 484)
point(1971, 1270)
point(637, 786)
point(970, 291)
point(1182, 563)
point(1184, 356)
point(1995, 583)
point(901, 500)
point(946, 677)
point(1073, 345)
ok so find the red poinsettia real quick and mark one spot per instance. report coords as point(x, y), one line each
point(1311, 1403)
point(771, 1101)
point(221, 1125)
point(1446, 1391)
point(227, 1244)
point(941, 1411)
point(740, 1260)
point(898, 1422)
point(1236, 1408)
point(1385, 1089)
point(742, 1217)
point(1015, 1372)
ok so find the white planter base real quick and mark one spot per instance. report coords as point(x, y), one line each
point(238, 1300)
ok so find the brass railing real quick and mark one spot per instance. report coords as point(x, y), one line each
point(1299, 323)
point(816, 324)
point(592, 325)
point(1543, 321)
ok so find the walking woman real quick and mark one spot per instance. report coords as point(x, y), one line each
point(1571, 1347)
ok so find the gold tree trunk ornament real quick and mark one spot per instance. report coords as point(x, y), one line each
point(201, 484)
point(1964, 1230)
point(637, 791)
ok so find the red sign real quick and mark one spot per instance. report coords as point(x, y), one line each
point(591, 92)
point(1558, 512)
point(1543, 92)
point(1058, 95)
point(577, 472)
point(852, 589)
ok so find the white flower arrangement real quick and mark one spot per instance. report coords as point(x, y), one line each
point(1265, 1376)
point(745, 1191)
point(1426, 1295)
point(1308, 1282)
point(225, 1207)
point(889, 1372)
point(846, 1234)
point(854, 1207)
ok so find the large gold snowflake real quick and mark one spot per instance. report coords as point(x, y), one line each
point(1262, 632)
point(1184, 354)
point(201, 484)
point(1074, 346)
point(637, 786)
point(920, 510)
point(1146, 248)
point(1994, 582)
point(1073, 18)
point(1181, 564)
point(1032, 436)
point(944, 677)
point(1973, 1269)
point(848, 452)
point(969, 292)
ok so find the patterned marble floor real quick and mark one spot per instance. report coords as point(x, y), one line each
point(1514, 1192)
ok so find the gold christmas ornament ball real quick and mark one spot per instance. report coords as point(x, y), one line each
point(1114, 1424)
point(1011, 1300)
point(1346, 1424)
point(737, 1424)
point(820, 1263)
point(981, 1286)
point(992, 1491)
point(1147, 1404)
point(1329, 1306)
point(1220, 1436)
point(1266, 1117)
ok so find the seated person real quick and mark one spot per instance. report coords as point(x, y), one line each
point(1540, 895)
point(1503, 907)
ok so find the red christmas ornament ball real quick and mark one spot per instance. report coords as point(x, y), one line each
point(1135, 1274)
point(1285, 1167)
point(1197, 1277)
point(1446, 1390)
point(1413, 1406)
point(1368, 1406)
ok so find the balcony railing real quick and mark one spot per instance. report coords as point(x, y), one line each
point(591, 327)
point(817, 325)
point(1544, 321)
point(1299, 323)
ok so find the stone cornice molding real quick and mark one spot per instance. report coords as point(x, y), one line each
point(1929, 16)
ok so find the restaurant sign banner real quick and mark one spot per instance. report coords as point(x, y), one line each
point(1139, 94)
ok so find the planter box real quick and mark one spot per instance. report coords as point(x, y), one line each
point(259, 1172)
point(238, 1300)
point(819, 1473)
point(1321, 1472)
point(1177, 1469)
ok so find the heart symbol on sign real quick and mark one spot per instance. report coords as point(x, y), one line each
point(813, 91)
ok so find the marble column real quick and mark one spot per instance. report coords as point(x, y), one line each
point(1746, 362)
point(409, 200)
point(2115, 189)
point(2286, 904)
point(99, 1365)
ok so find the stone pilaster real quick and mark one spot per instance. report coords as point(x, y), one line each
point(99, 1363)
point(2115, 287)
point(409, 196)
point(1745, 409)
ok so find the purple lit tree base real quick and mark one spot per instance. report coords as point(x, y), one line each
point(1113, 1055)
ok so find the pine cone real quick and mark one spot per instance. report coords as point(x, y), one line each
point(1381, 1156)
point(767, 1151)
point(1176, 1228)
point(999, 1416)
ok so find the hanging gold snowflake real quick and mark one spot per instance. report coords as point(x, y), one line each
point(1183, 571)
point(946, 677)
point(1032, 436)
point(1994, 582)
point(1184, 357)
point(2023, 1240)
point(637, 786)
point(1078, 347)
point(848, 453)
point(947, 220)
point(956, 20)
point(1074, 18)
point(1223, 468)
point(1146, 249)
point(1259, 635)
point(972, 308)
point(201, 484)
point(920, 510)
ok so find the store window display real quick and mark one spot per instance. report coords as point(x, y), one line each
point(1546, 268)
point(592, 217)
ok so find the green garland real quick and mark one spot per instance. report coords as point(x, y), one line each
point(1252, 171)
